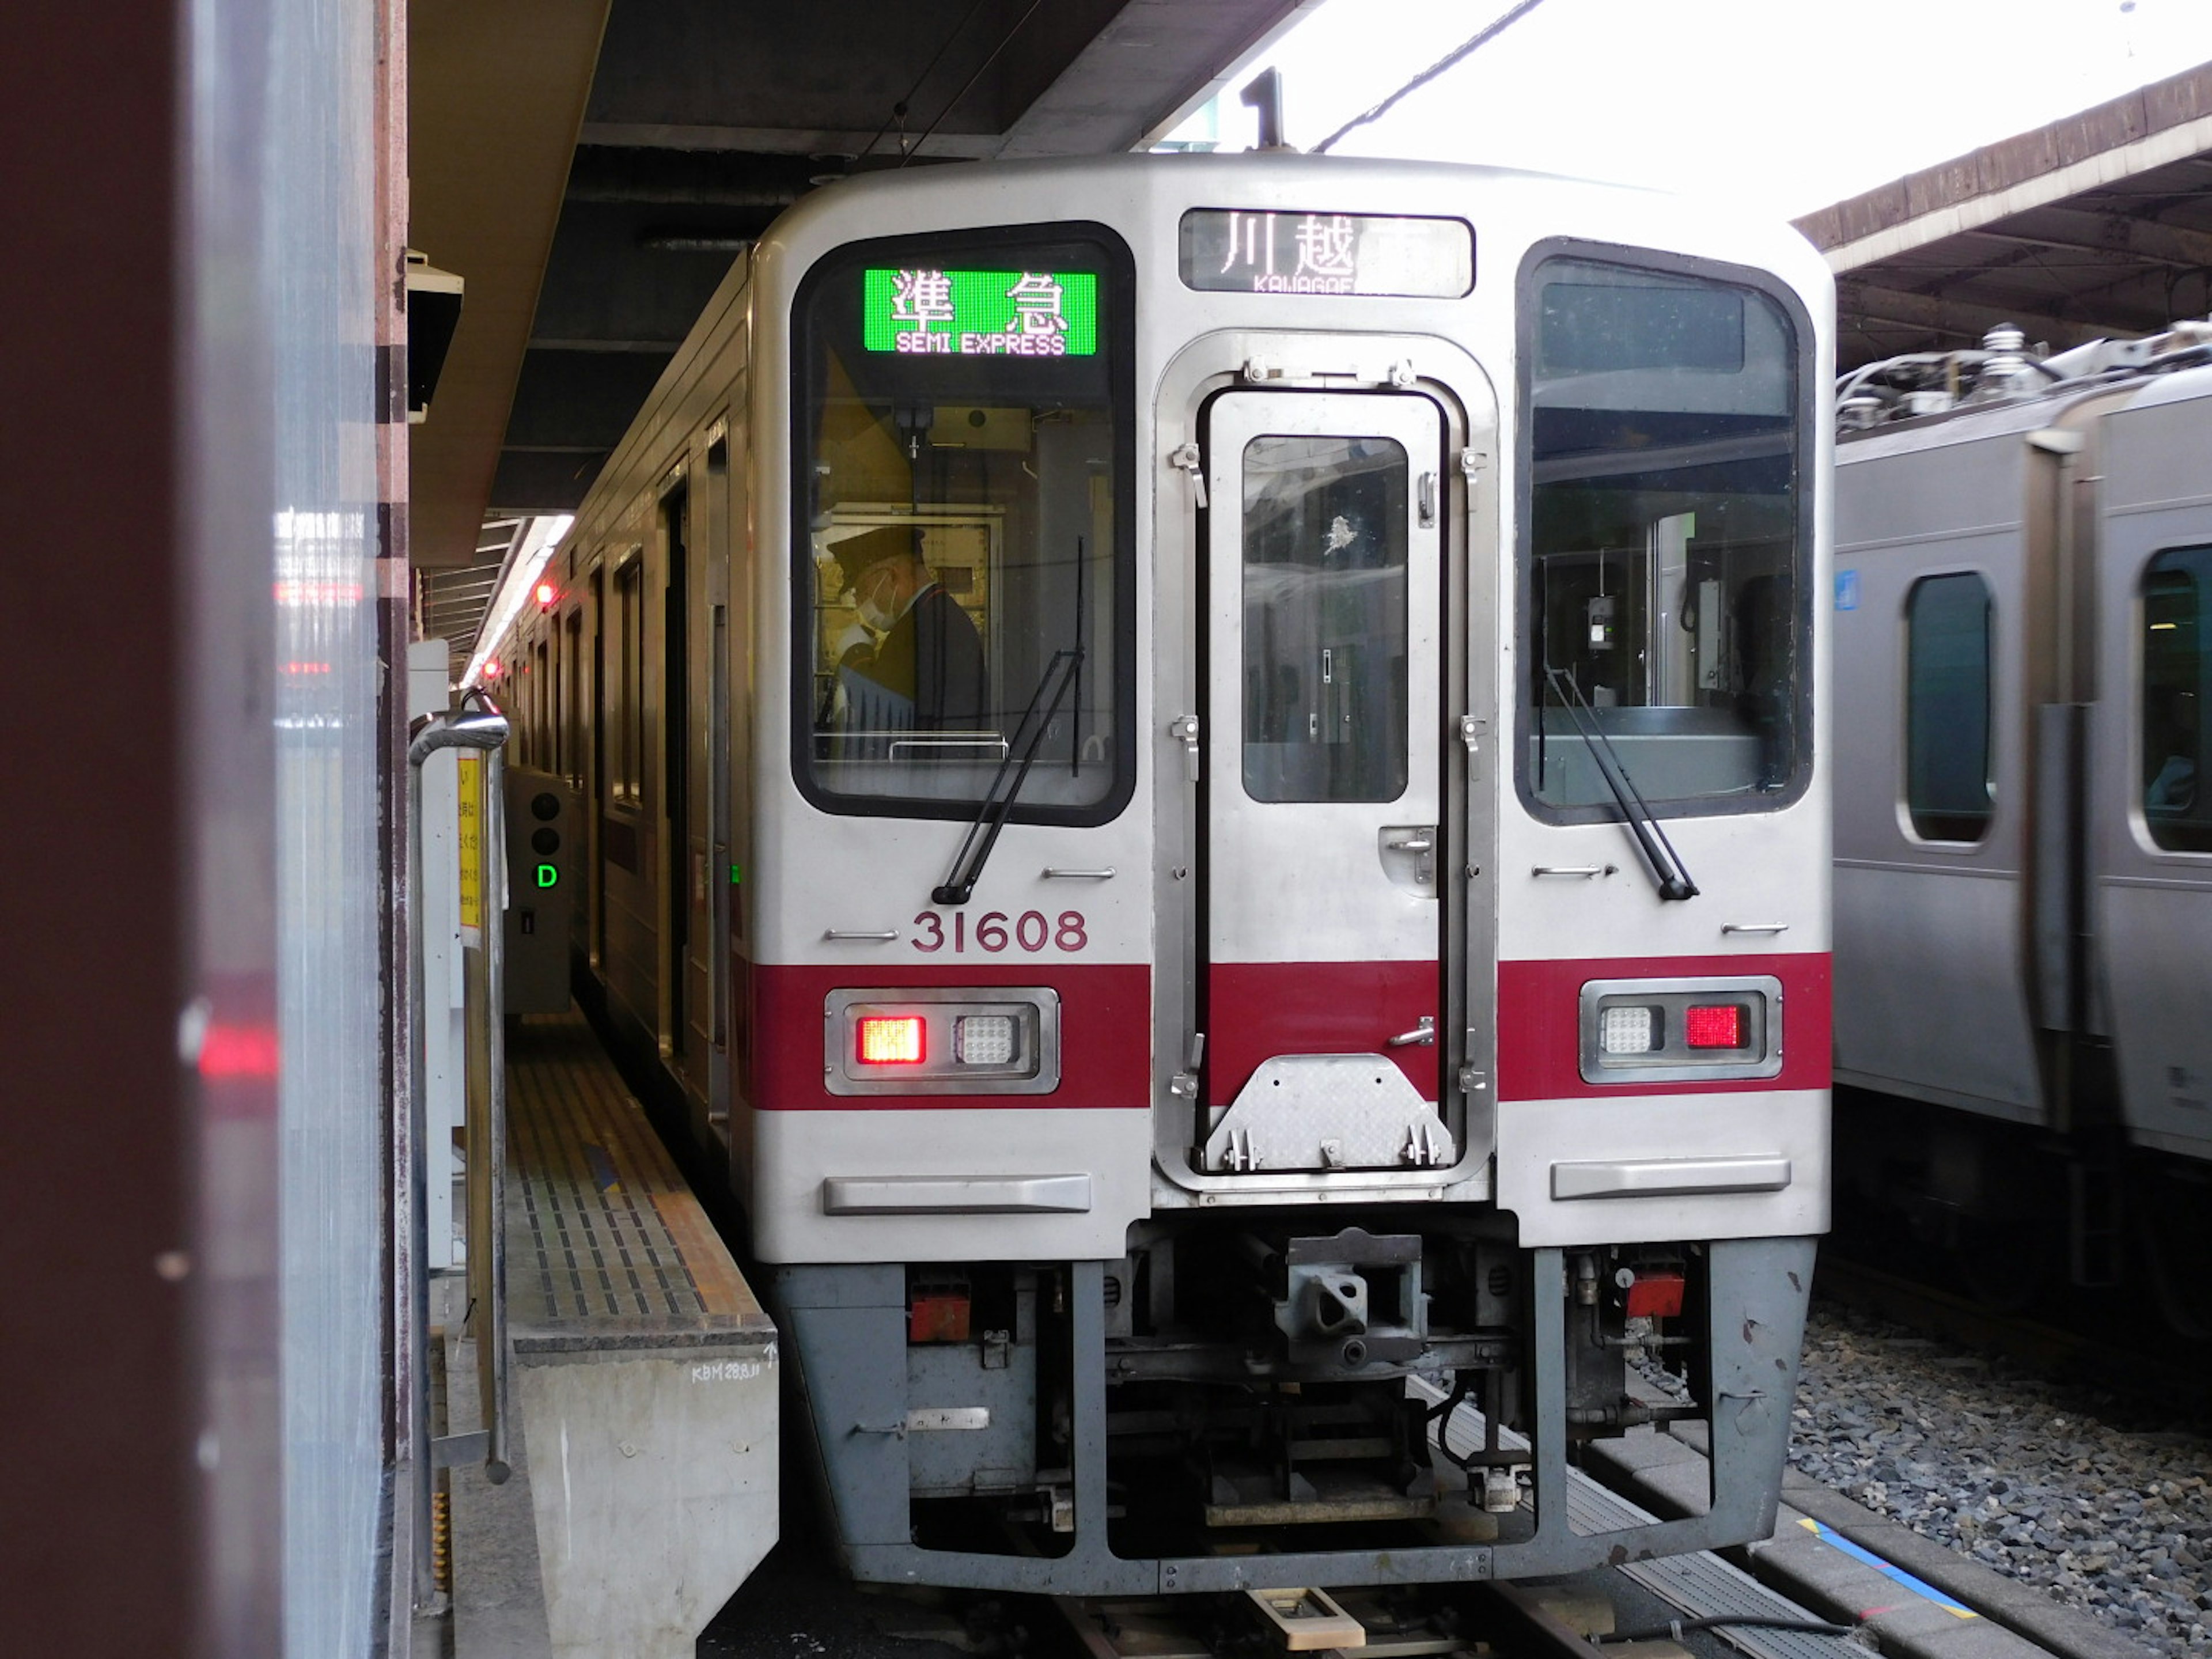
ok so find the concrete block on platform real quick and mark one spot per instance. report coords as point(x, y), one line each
point(655, 1490)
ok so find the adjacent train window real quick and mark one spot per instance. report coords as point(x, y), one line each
point(2177, 674)
point(1947, 784)
point(964, 577)
point(1665, 595)
point(1325, 620)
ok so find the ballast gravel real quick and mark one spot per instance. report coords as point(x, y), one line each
point(2085, 1494)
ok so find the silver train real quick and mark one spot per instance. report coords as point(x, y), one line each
point(1211, 774)
point(2023, 816)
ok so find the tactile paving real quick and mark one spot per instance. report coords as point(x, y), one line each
point(606, 1247)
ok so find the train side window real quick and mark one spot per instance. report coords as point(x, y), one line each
point(1665, 592)
point(1949, 787)
point(2177, 674)
point(1325, 619)
point(964, 570)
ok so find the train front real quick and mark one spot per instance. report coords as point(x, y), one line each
point(1298, 812)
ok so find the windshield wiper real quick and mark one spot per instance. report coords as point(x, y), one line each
point(991, 817)
point(1667, 870)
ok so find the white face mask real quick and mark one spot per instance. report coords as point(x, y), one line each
point(868, 601)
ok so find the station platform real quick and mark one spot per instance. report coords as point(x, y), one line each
point(642, 1386)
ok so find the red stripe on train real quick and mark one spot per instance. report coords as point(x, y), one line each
point(1539, 1023)
point(1257, 1009)
point(1105, 1033)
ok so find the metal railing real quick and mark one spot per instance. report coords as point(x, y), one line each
point(483, 729)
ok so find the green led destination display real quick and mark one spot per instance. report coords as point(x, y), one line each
point(981, 314)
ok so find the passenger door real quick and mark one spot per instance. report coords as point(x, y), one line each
point(2151, 838)
point(1320, 820)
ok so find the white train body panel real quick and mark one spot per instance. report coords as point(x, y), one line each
point(1316, 903)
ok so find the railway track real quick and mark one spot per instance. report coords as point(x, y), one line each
point(1498, 1621)
point(2100, 1356)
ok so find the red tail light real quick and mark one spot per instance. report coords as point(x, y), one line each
point(1718, 1027)
point(888, 1040)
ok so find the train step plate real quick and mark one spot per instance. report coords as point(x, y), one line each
point(1307, 1621)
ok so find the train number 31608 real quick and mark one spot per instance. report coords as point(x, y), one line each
point(995, 931)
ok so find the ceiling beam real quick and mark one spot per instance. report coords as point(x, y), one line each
point(776, 141)
point(1951, 320)
point(2107, 233)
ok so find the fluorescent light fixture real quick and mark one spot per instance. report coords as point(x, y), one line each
point(537, 544)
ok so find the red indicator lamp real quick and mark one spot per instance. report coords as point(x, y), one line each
point(1655, 1295)
point(1714, 1027)
point(888, 1040)
point(492, 670)
point(547, 595)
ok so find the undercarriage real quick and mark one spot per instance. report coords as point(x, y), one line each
point(1252, 1384)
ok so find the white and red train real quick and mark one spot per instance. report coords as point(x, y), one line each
point(1212, 772)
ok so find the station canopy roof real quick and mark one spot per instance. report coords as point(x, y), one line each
point(590, 167)
point(2096, 226)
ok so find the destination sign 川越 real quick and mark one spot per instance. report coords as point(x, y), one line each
point(1021, 314)
point(1227, 250)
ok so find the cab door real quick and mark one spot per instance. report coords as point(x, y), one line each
point(1321, 821)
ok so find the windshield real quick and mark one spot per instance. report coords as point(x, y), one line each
point(1665, 578)
point(963, 488)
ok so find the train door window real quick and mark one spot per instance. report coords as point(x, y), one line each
point(557, 703)
point(629, 690)
point(964, 559)
point(541, 706)
point(1948, 782)
point(1666, 590)
point(1325, 619)
point(572, 715)
point(2177, 676)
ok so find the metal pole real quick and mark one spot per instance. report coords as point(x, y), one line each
point(432, 733)
point(491, 1157)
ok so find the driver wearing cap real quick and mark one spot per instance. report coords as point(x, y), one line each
point(922, 669)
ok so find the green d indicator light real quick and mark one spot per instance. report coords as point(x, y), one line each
point(549, 875)
point(737, 876)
